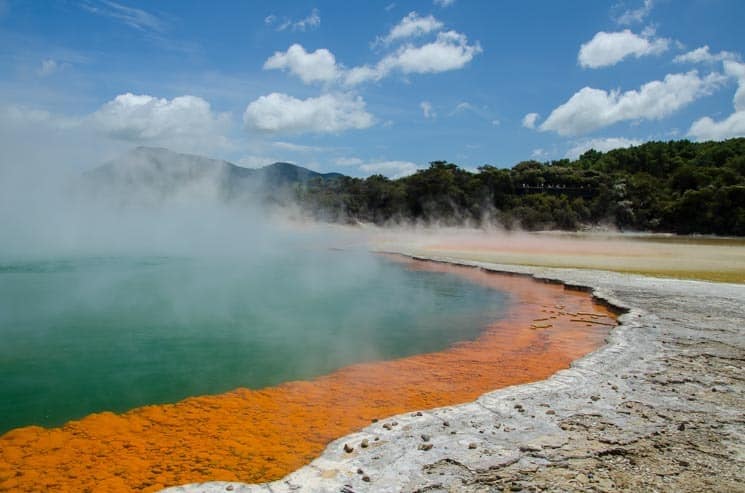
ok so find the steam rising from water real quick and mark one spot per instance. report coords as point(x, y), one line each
point(110, 304)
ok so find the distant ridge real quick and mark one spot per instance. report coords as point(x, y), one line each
point(155, 174)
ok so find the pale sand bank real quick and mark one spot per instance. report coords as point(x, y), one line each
point(704, 258)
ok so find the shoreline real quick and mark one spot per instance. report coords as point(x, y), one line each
point(267, 433)
point(659, 407)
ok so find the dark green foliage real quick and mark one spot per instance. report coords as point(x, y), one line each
point(677, 186)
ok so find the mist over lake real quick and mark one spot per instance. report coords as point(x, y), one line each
point(92, 333)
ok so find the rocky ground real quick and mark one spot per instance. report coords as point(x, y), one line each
point(660, 408)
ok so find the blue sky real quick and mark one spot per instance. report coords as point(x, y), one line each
point(365, 87)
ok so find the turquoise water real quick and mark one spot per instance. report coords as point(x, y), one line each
point(81, 335)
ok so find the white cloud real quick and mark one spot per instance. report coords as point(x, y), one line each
point(450, 51)
point(732, 126)
point(391, 169)
point(48, 67)
point(590, 109)
point(348, 161)
point(318, 66)
point(462, 106)
point(632, 16)
point(444, 3)
point(708, 129)
point(132, 17)
point(390, 7)
point(602, 145)
point(702, 55)
point(412, 25)
point(301, 148)
point(606, 49)
point(328, 113)
point(24, 116)
point(495, 122)
point(311, 22)
point(538, 153)
point(427, 110)
point(134, 117)
point(530, 120)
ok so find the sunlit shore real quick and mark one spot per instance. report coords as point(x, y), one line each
point(681, 257)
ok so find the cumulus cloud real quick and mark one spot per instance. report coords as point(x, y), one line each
point(708, 129)
point(328, 113)
point(637, 15)
point(732, 126)
point(602, 145)
point(391, 169)
point(590, 109)
point(135, 118)
point(444, 3)
point(530, 120)
point(412, 25)
point(427, 109)
point(318, 66)
point(450, 51)
point(702, 55)
point(606, 49)
point(313, 21)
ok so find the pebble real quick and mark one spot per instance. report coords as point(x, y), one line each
point(425, 446)
point(366, 479)
point(360, 471)
point(606, 484)
point(445, 423)
point(595, 397)
point(425, 438)
point(364, 443)
point(472, 445)
point(229, 487)
point(550, 411)
point(348, 448)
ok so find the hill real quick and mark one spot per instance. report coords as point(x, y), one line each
point(153, 175)
point(677, 186)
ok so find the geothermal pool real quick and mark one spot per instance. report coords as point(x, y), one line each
point(347, 339)
point(86, 335)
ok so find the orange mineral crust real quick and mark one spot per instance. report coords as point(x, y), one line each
point(261, 435)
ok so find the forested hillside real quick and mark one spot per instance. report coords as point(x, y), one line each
point(678, 186)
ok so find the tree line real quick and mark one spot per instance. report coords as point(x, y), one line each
point(678, 186)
